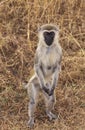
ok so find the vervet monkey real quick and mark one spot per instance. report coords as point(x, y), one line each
point(47, 65)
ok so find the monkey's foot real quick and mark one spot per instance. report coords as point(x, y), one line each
point(51, 116)
point(31, 123)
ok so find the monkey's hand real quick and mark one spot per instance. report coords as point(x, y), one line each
point(51, 92)
point(46, 90)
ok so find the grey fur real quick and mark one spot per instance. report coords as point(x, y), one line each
point(47, 66)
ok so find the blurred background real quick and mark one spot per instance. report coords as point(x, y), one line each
point(19, 20)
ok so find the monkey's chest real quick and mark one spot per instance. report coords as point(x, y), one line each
point(48, 62)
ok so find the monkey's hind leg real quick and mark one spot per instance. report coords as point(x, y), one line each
point(50, 101)
point(32, 104)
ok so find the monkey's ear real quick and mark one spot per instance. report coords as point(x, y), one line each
point(39, 28)
point(57, 28)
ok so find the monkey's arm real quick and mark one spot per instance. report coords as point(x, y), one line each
point(41, 79)
point(55, 78)
point(56, 70)
point(39, 72)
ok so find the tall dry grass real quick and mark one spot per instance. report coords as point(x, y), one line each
point(19, 20)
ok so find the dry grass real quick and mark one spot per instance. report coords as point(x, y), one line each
point(17, 49)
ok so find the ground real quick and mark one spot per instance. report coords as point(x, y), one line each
point(19, 21)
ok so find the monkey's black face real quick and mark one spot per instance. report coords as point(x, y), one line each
point(49, 37)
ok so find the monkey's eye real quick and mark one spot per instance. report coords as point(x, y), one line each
point(49, 34)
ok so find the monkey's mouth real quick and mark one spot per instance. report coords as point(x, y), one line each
point(49, 37)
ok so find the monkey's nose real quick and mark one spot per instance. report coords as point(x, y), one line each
point(49, 36)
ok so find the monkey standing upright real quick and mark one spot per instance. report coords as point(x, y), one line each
point(47, 65)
